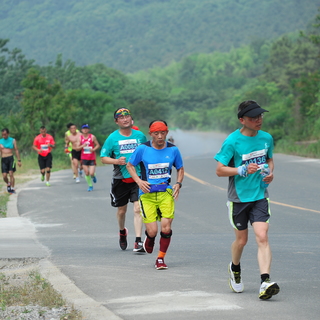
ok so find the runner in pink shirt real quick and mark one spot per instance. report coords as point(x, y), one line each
point(88, 146)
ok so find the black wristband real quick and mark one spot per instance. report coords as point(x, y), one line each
point(180, 184)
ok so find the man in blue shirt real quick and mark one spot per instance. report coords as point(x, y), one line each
point(156, 195)
point(8, 145)
point(241, 158)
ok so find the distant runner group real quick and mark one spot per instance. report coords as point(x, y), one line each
point(142, 174)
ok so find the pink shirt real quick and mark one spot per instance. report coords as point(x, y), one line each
point(86, 152)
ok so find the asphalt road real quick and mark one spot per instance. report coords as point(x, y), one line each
point(80, 231)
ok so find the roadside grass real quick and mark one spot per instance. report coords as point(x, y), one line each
point(33, 291)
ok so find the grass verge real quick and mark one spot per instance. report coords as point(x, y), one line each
point(30, 289)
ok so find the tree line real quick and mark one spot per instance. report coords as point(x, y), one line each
point(202, 91)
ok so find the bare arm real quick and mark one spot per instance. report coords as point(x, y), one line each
point(66, 140)
point(36, 148)
point(143, 185)
point(176, 187)
point(96, 144)
point(80, 146)
point(268, 179)
point(225, 171)
point(108, 160)
point(17, 152)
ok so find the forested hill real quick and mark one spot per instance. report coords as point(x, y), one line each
point(131, 35)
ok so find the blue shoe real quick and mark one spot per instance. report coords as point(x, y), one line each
point(90, 189)
point(94, 179)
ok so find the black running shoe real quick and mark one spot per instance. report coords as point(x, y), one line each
point(123, 240)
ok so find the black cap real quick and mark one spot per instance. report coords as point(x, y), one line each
point(251, 111)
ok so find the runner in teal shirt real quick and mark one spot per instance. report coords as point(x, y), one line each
point(241, 158)
point(116, 150)
point(8, 145)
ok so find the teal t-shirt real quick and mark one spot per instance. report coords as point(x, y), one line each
point(237, 150)
point(7, 143)
point(117, 146)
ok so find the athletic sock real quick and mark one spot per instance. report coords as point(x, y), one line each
point(235, 268)
point(165, 241)
point(89, 182)
point(161, 254)
point(138, 239)
point(264, 277)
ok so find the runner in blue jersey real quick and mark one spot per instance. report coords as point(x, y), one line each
point(156, 195)
point(8, 145)
point(116, 150)
point(241, 158)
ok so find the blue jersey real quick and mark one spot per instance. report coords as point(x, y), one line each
point(117, 146)
point(237, 150)
point(156, 164)
point(7, 143)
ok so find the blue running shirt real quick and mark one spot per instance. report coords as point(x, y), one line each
point(237, 150)
point(117, 145)
point(156, 165)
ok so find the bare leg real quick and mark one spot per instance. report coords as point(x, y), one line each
point(238, 245)
point(12, 180)
point(121, 216)
point(137, 219)
point(264, 251)
point(47, 174)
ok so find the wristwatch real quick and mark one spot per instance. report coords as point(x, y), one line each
point(180, 184)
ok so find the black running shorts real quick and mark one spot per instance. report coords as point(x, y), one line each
point(45, 162)
point(121, 193)
point(88, 162)
point(241, 213)
point(8, 164)
point(76, 154)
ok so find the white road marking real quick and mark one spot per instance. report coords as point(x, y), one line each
point(174, 301)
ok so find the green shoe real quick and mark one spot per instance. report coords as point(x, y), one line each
point(42, 178)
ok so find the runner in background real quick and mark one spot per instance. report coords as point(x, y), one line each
point(68, 149)
point(73, 139)
point(43, 144)
point(88, 145)
point(8, 145)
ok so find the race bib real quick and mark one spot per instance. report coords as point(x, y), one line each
point(128, 146)
point(44, 147)
point(87, 150)
point(258, 157)
point(158, 170)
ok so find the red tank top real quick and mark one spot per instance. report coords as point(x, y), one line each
point(86, 153)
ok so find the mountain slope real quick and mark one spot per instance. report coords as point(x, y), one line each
point(130, 35)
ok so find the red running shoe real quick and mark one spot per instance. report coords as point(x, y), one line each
point(160, 264)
